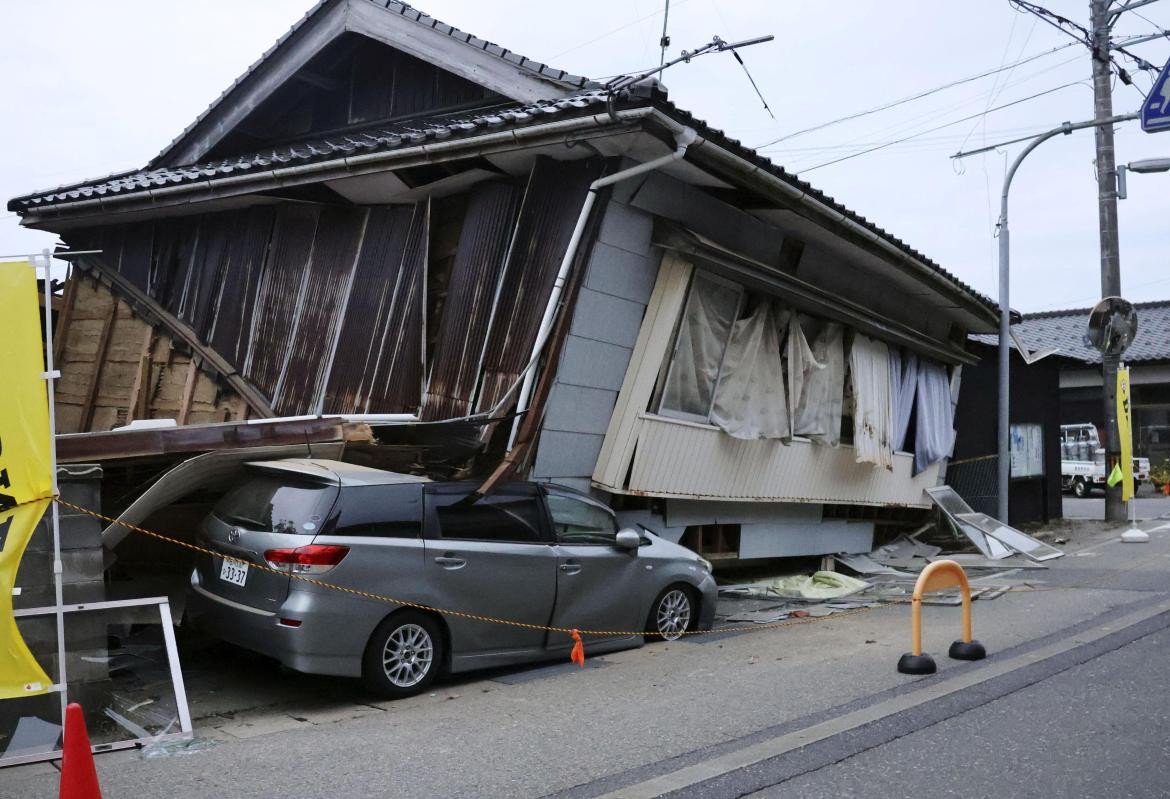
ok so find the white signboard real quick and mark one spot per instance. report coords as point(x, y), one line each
point(1027, 450)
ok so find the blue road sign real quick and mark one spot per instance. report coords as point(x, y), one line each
point(1156, 109)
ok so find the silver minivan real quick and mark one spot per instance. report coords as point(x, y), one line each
point(530, 553)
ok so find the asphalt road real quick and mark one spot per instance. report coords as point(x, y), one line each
point(1150, 505)
point(1098, 729)
point(1072, 683)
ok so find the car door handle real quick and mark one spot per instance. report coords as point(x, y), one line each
point(449, 562)
point(570, 568)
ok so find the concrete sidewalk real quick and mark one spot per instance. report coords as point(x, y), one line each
point(631, 715)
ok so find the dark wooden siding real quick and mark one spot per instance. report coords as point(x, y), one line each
point(353, 81)
point(552, 202)
point(471, 293)
point(346, 309)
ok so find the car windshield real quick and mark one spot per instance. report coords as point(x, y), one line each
point(268, 502)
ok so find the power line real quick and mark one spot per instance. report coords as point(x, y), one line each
point(618, 29)
point(914, 97)
point(909, 122)
point(996, 91)
point(941, 127)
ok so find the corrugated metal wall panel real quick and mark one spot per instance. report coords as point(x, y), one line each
point(467, 311)
point(396, 385)
point(552, 202)
point(319, 308)
point(134, 260)
point(209, 262)
point(285, 271)
point(674, 458)
point(367, 315)
point(232, 323)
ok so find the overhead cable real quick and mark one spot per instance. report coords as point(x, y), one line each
point(913, 97)
point(940, 127)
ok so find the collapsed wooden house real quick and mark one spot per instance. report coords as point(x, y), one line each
point(488, 260)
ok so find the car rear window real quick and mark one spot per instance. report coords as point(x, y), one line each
point(268, 502)
point(384, 511)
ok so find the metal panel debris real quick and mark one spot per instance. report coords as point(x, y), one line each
point(467, 311)
point(552, 202)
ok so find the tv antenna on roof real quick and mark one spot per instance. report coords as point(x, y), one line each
point(624, 82)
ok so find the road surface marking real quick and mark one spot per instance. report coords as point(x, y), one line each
point(774, 747)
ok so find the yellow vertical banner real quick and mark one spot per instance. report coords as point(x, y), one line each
point(26, 479)
point(20, 674)
point(1125, 433)
point(24, 404)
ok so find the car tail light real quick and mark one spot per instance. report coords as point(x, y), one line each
point(309, 559)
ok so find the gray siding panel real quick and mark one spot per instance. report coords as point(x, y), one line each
point(603, 317)
point(576, 409)
point(618, 280)
point(621, 273)
point(627, 228)
point(567, 454)
point(593, 364)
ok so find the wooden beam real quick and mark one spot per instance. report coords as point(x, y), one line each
point(188, 390)
point(181, 330)
point(99, 360)
point(320, 81)
point(61, 327)
point(139, 401)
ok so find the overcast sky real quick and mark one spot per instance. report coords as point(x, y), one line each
point(98, 87)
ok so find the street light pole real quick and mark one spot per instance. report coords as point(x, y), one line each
point(1100, 26)
point(1003, 481)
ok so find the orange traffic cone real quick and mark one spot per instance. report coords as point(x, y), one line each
point(78, 775)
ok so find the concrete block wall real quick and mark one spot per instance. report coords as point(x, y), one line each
point(612, 301)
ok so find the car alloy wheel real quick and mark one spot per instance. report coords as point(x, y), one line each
point(672, 615)
point(407, 655)
point(404, 654)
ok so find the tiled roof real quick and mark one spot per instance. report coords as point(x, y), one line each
point(384, 137)
point(440, 127)
point(535, 68)
point(1066, 331)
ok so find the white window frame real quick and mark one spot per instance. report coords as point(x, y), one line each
point(668, 367)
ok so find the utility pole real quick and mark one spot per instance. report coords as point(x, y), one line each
point(1100, 26)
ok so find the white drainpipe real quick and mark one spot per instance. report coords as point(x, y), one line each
point(683, 139)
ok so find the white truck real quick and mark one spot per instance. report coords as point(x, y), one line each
point(1082, 461)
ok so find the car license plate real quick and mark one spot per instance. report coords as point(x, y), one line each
point(234, 572)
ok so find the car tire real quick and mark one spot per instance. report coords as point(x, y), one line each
point(673, 612)
point(1080, 488)
point(404, 655)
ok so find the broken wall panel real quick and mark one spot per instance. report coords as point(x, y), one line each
point(204, 272)
point(397, 382)
point(467, 311)
point(376, 279)
point(320, 307)
point(232, 325)
point(116, 367)
point(281, 286)
point(552, 202)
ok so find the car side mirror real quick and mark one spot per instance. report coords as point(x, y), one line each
point(628, 539)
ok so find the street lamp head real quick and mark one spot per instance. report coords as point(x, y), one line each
point(1150, 165)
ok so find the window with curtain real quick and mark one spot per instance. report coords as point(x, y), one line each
point(712, 306)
